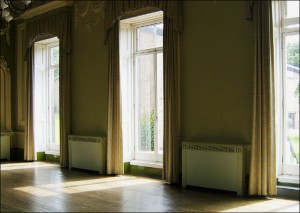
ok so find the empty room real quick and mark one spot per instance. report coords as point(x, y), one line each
point(149, 106)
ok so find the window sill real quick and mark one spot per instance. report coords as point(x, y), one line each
point(150, 164)
point(288, 179)
point(55, 153)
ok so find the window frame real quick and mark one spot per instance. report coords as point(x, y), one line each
point(50, 144)
point(43, 112)
point(144, 155)
point(128, 54)
point(281, 31)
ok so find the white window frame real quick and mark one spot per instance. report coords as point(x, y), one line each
point(46, 144)
point(285, 173)
point(51, 147)
point(135, 157)
point(143, 155)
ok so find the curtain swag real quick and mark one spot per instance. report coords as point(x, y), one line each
point(57, 23)
point(113, 10)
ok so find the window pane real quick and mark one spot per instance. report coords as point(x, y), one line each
point(160, 103)
point(150, 36)
point(292, 99)
point(146, 102)
point(54, 99)
point(54, 55)
point(292, 26)
point(292, 9)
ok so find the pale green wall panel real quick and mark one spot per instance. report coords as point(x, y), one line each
point(216, 72)
point(216, 75)
point(89, 82)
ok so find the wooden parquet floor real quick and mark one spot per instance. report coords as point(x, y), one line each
point(45, 187)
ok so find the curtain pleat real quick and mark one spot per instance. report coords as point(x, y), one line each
point(55, 23)
point(171, 162)
point(114, 136)
point(114, 10)
point(29, 133)
point(263, 148)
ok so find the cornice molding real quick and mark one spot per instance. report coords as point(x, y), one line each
point(45, 8)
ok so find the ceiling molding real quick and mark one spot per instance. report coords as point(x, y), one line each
point(45, 8)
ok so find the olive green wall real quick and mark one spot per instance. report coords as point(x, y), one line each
point(89, 80)
point(216, 75)
point(216, 72)
point(7, 51)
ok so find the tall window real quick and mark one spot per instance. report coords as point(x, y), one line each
point(287, 63)
point(141, 60)
point(46, 105)
point(53, 91)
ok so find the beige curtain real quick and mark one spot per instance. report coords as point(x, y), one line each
point(56, 23)
point(114, 10)
point(29, 136)
point(263, 151)
point(171, 163)
point(114, 136)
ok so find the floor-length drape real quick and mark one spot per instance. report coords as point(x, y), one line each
point(29, 133)
point(263, 151)
point(114, 10)
point(171, 162)
point(114, 136)
point(55, 23)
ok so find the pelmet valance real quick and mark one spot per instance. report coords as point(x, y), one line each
point(55, 23)
point(116, 9)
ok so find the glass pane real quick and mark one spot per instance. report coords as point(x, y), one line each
point(54, 105)
point(292, 99)
point(146, 102)
point(292, 9)
point(54, 55)
point(292, 26)
point(150, 36)
point(160, 103)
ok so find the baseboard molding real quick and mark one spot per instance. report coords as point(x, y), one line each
point(288, 192)
point(52, 158)
point(142, 171)
point(17, 154)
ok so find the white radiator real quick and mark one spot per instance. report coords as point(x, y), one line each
point(217, 166)
point(86, 152)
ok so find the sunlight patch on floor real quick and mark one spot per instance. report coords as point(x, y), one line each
point(272, 205)
point(107, 185)
point(27, 165)
point(103, 183)
point(101, 180)
point(36, 191)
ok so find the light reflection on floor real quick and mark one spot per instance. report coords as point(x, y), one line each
point(129, 193)
point(26, 165)
point(85, 185)
point(272, 205)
